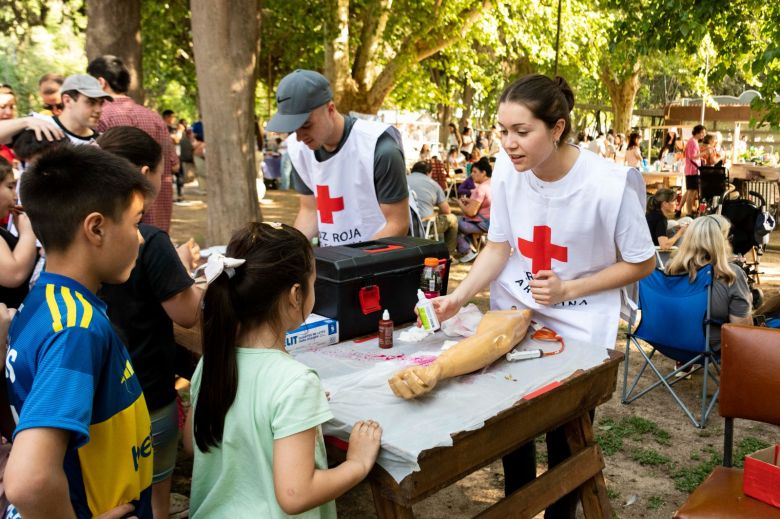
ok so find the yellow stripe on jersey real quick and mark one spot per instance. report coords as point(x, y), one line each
point(70, 307)
point(86, 318)
point(53, 308)
point(116, 464)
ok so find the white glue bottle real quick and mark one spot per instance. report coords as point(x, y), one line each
point(424, 307)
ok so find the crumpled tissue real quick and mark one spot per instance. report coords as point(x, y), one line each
point(464, 323)
point(413, 334)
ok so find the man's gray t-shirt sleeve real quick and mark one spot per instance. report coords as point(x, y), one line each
point(389, 171)
point(297, 182)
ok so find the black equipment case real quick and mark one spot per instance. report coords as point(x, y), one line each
point(356, 282)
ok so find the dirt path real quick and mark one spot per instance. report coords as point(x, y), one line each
point(654, 456)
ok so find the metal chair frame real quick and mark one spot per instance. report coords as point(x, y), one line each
point(706, 360)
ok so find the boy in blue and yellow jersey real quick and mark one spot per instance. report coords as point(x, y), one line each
point(82, 444)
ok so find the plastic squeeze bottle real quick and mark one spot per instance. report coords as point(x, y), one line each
point(385, 331)
point(430, 281)
point(424, 307)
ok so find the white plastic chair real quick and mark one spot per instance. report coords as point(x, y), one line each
point(431, 232)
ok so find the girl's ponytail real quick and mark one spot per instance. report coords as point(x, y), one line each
point(277, 257)
point(219, 329)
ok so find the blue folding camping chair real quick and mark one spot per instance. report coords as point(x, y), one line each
point(675, 322)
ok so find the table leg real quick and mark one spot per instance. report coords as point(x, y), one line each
point(387, 508)
point(593, 493)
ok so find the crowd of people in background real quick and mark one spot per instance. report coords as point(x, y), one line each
point(56, 163)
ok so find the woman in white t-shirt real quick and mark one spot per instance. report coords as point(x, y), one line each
point(567, 230)
point(467, 143)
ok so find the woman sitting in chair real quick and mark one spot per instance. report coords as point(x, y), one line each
point(706, 243)
point(660, 207)
point(476, 209)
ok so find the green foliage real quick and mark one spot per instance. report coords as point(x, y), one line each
point(655, 502)
point(291, 37)
point(747, 445)
point(647, 457)
point(611, 434)
point(168, 59)
point(744, 36)
point(17, 17)
point(612, 493)
point(54, 44)
point(686, 479)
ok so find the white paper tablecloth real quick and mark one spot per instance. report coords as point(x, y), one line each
point(356, 376)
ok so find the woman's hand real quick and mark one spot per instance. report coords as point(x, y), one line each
point(446, 307)
point(547, 288)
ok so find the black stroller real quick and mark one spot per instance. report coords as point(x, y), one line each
point(751, 225)
point(713, 182)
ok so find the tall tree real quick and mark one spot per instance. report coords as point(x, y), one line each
point(115, 28)
point(392, 38)
point(742, 32)
point(225, 44)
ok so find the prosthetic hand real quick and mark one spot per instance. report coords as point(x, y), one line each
point(497, 333)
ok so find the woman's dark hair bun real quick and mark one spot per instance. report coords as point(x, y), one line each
point(566, 90)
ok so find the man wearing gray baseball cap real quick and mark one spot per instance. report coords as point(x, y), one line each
point(82, 100)
point(349, 172)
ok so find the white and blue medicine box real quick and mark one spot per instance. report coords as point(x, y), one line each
point(315, 331)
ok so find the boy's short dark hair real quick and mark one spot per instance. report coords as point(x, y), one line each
point(166, 113)
point(26, 145)
point(112, 70)
point(5, 169)
point(67, 183)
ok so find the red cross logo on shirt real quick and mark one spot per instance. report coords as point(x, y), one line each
point(327, 205)
point(541, 250)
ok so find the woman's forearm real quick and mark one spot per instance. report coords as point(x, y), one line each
point(488, 265)
point(618, 275)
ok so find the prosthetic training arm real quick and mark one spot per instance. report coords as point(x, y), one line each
point(497, 333)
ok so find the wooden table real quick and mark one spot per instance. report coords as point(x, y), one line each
point(565, 405)
point(668, 178)
point(751, 172)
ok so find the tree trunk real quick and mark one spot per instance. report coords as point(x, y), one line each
point(225, 43)
point(622, 92)
point(115, 28)
point(337, 68)
point(468, 100)
point(444, 113)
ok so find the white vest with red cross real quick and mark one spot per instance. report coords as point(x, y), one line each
point(571, 233)
point(343, 186)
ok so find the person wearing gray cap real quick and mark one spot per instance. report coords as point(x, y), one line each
point(349, 172)
point(82, 100)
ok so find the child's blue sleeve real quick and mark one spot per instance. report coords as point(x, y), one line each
point(64, 382)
